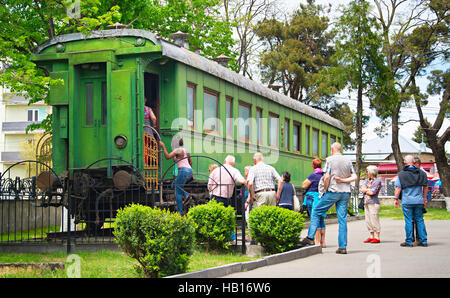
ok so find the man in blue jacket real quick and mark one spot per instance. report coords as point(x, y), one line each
point(411, 184)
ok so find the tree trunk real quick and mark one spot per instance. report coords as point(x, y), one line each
point(395, 132)
point(359, 134)
point(441, 163)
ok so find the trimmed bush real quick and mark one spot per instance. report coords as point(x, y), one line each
point(214, 224)
point(276, 229)
point(160, 241)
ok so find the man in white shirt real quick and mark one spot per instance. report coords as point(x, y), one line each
point(261, 182)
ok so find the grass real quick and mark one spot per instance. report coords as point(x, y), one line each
point(397, 213)
point(109, 264)
point(28, 234)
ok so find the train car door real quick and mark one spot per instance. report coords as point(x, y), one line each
point(93, 122)
point(151, 87)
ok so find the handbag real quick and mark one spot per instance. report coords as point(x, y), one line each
point(296, 201)
point(361, 203)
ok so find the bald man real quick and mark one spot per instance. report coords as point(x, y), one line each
point(261, 182)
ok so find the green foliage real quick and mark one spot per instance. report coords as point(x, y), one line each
point(160, 241)
point(27, 23)
point(277, 229)
point(213, 224)
point(297, 50)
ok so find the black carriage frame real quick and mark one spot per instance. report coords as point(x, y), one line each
point(19, 194)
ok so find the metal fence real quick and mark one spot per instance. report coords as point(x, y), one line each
point(46, 210)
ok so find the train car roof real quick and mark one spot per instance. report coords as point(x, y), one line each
point(195, 60)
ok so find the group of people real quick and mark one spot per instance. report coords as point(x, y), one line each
point(324, 187)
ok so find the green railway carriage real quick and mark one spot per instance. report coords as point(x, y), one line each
point(108, 75)
point(106, 79)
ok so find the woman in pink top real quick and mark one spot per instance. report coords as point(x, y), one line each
point(183, 160)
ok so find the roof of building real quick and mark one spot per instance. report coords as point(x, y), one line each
point(378, 149)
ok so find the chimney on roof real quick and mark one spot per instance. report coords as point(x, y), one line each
point(117, 25)
point(179, 38)
point(222, 60)
point(275, 87)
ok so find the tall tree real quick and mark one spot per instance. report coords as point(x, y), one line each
point(410, 46)
point(297, 50)
point(358, 46)
point(440, 84)
point(298, 56)
point(244, 16)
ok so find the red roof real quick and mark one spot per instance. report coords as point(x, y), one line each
point(392, 167)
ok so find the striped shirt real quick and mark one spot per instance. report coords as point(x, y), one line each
point(263, 176)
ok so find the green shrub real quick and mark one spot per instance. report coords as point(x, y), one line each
point(214, 224)
point(160, 241)
point(276, 229)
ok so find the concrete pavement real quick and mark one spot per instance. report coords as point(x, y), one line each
point(386, 259)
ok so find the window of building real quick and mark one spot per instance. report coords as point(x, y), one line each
point(229, 116)
point(104, 104)
point(324, 144)
point(258, 125)
point(307, 139)
point(211, 120)
point(315, 142)
point(190, 105)
point(244, 121)
point(286, 134)
point(296, 137)
point(89, 104)
point(273, 130)
point(33, 114)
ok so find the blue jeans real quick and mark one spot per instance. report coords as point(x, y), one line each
point(328, 199)
point(411, 212)
point(184, 175)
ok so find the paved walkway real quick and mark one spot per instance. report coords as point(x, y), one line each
point(386, 259)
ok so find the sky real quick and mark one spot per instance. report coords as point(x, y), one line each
point(407, 130)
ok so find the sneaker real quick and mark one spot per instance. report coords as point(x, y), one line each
point(422, 244)
point(375, 240)
point(306, 241)
point(341, 251)
point(404, 244)
point(368, 240)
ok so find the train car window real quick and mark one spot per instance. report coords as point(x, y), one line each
point(307, 139)
point(324, 144)
point(332, 139)
point(104, 104)
point(211, 120)
point(244, 125)
point(190, 105)
point(286, 134)
point(89, 104)
point(273, 130)
point(296, 133)
point(258, 125)
point(315, 142)
point(229, 116)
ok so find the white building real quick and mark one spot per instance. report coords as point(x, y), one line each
point(15, 116)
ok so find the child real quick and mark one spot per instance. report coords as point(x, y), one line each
point(285, 193)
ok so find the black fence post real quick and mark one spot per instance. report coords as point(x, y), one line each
point(68, 217)
point(243, 200)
